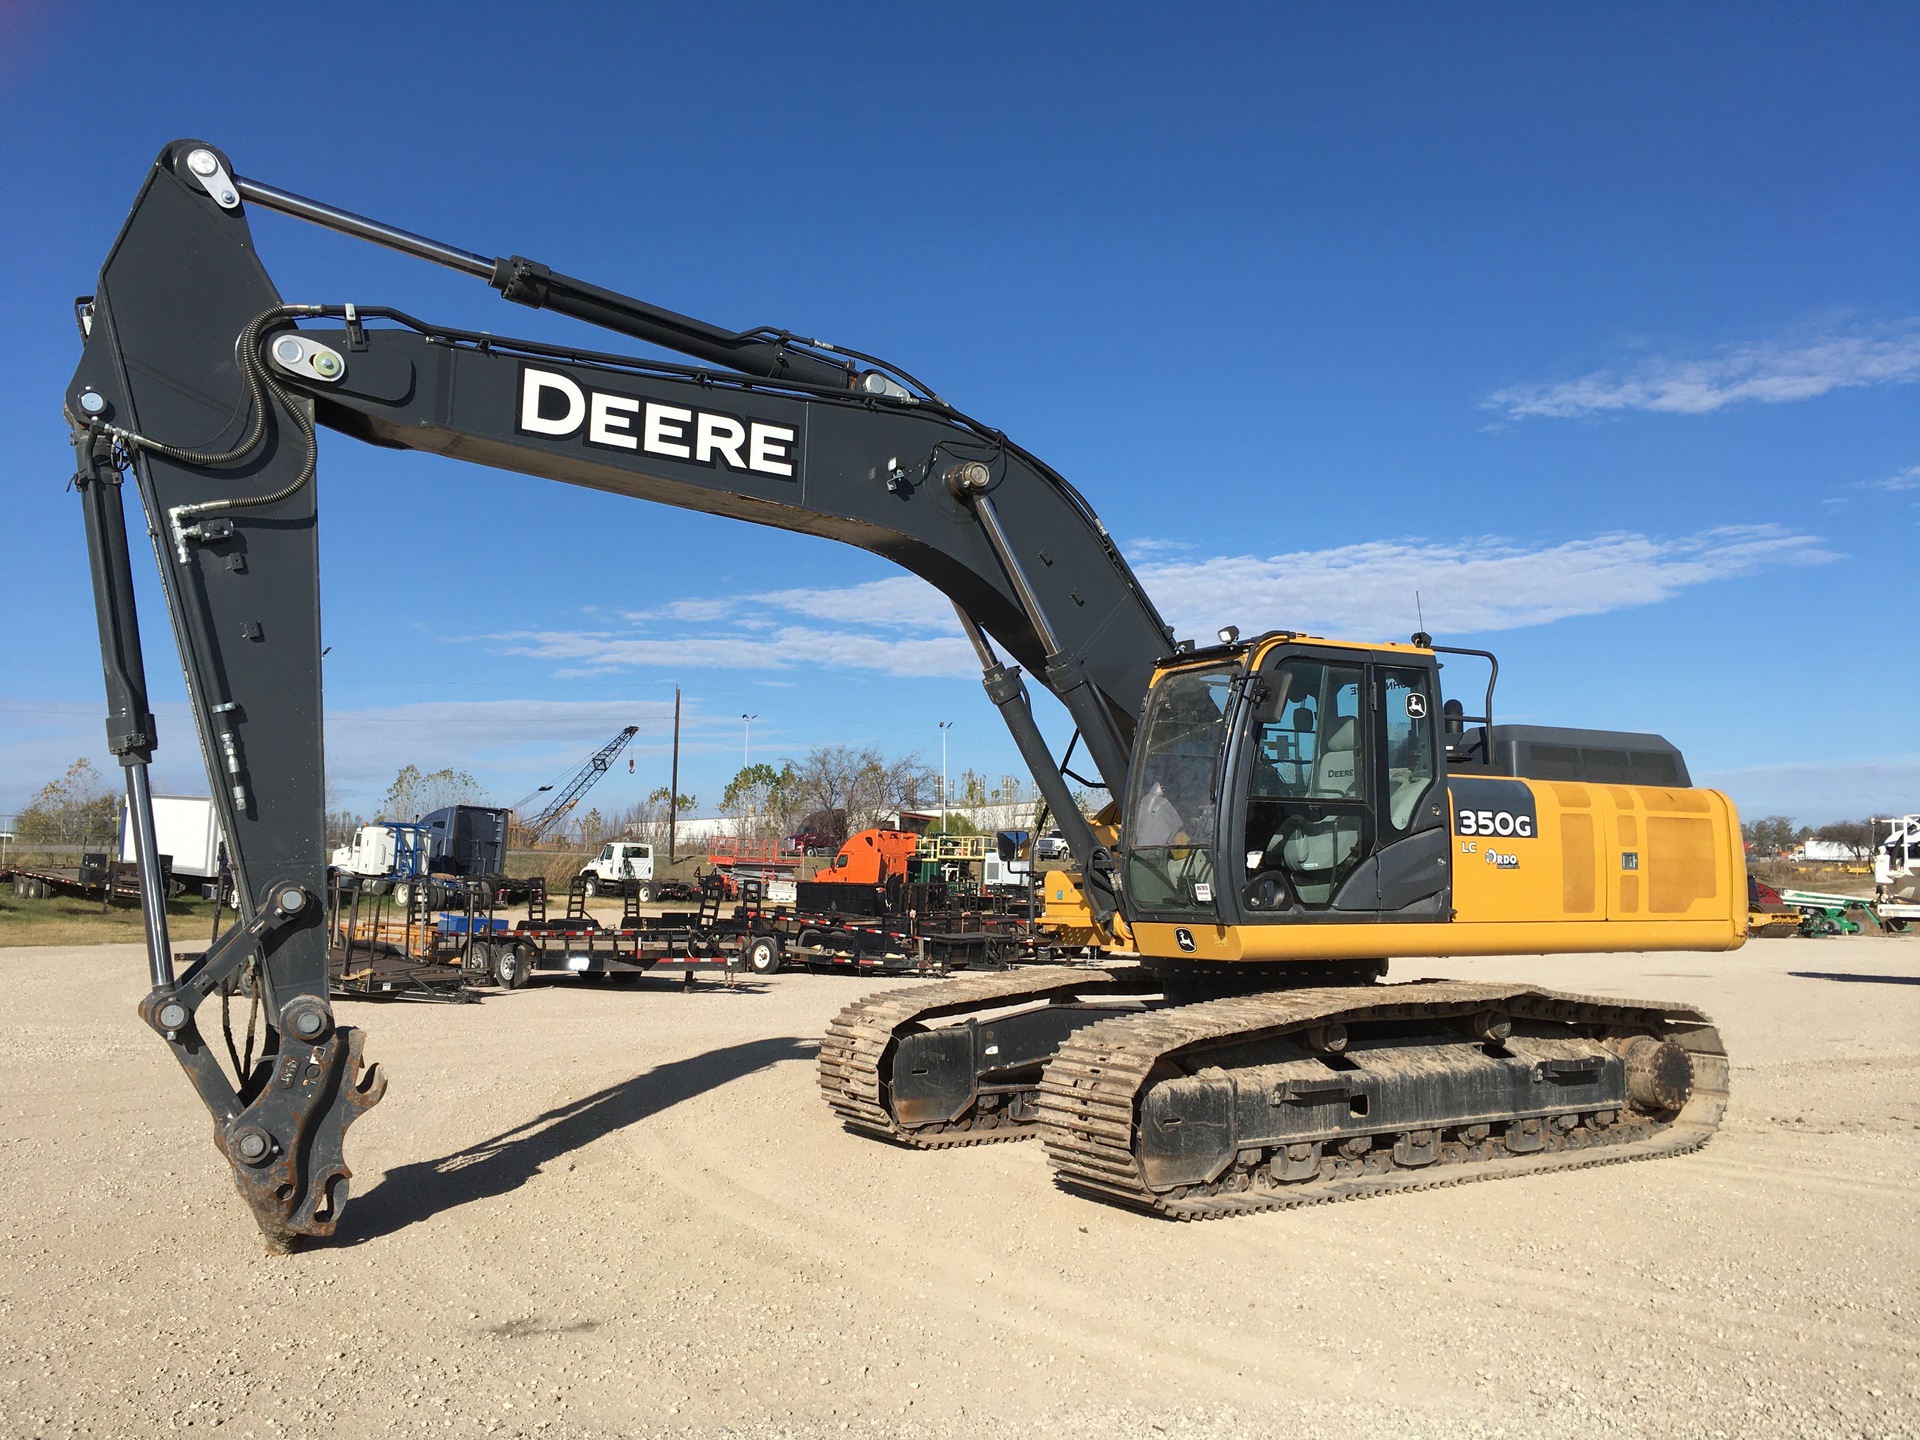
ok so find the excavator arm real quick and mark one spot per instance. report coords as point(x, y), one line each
point(200, 382)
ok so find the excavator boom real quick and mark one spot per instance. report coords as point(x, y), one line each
point(204, 385)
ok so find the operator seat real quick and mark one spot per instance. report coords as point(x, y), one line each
point(1314, 853)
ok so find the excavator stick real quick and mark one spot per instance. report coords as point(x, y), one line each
point(224, 468)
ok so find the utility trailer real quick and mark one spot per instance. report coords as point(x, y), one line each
point(378, 948)
point(708, 938)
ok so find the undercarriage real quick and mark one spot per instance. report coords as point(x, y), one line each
point(1195, 1109)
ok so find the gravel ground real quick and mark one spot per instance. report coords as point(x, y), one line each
point(595, 1211)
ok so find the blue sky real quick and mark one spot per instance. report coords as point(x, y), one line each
point(1598, 327)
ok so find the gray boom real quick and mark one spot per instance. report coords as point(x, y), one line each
point(196, 378)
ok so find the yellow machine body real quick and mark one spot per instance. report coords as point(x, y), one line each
point(1609, 867)
point(1596, 867)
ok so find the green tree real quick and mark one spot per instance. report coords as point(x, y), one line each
point(1770, 835)
point(74, 810)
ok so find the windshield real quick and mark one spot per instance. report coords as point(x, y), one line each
point(1170, 822)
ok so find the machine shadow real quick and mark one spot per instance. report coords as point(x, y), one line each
point(416, 1192)
point(1855, 979)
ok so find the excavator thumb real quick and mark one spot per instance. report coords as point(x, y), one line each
point(284, 1129)
point(286, 1147)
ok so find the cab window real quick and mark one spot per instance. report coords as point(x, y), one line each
point(1170, 821)
point(1407, 700)
point(1308, 815)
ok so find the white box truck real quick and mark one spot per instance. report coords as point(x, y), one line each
point(185, 827)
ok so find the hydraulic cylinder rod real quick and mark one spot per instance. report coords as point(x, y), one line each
point(129, 722)
point(528, 282)
point(1009, 695)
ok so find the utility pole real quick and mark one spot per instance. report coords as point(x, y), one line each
point(945, 725)
point(673, 784)
point(746, 739)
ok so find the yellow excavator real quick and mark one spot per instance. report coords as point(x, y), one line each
point(1287, 813)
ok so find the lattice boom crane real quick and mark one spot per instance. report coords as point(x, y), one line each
point(583, 780)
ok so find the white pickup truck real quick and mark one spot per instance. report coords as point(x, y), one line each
point(619, 863)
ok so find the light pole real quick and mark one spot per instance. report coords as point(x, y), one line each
point(746, 738)
point(945, 725)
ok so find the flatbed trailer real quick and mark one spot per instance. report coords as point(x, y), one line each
point(379, 945)
point(96, 877)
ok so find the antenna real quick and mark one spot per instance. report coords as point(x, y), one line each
point(1418, 613)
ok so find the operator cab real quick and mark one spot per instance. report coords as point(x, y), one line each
point(1290, 779)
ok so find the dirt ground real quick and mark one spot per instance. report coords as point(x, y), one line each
point(594, 1211)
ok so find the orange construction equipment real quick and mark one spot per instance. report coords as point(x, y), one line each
point(872, 857)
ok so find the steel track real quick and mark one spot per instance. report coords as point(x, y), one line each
point(859, 1043)
point(1090, 1094)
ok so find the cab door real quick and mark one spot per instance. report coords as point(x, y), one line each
point(1340, 791)
point(1410, 874)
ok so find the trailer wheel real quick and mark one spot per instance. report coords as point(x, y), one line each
point(510, 967)
point(762, 955)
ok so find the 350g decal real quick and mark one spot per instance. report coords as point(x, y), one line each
point(556, 405)
point(1493, 822)
point(1502, 808)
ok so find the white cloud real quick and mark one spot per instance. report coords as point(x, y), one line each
point(903, 626)
point(1768, 372)
point(905, 601)
point(784, 648)
point(508, 738)
point(1465, 587)
point(1907, 479)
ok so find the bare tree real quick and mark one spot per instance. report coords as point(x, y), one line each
point(77, 808)
point(859, 789)
point(341, 823)
point(1855, 835)
point(414, 794)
